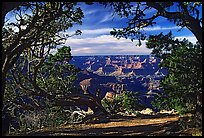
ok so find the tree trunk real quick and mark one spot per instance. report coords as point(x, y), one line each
point(196, 29)
point(81, 99)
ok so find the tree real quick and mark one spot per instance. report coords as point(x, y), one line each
point(41, 28)
point(186, 15)
point(182, 87)
point(46, 88)
point(54, 77)
point(184, 63)
point(36, 31)
point(26, 44)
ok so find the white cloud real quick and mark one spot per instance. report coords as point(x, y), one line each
point(160, 28)
point(97, 31)
point(93, 32)
point(99, 42)
point(109, 45)
point(88, 12)
point(105, 45)
point(101, 31)
point(88, 33)
point(106, 18)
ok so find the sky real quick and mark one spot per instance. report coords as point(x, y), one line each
point(95, 39)
point(97, 23)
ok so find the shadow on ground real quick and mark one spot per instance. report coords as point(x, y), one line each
point(143, 130)
point(160, 129)
point(118, 118)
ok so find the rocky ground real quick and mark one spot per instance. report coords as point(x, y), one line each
point(119, 125)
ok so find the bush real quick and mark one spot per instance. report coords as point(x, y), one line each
point(127, 101)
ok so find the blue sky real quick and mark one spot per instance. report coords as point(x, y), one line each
point(95, 39)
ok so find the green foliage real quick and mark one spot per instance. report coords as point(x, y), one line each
point(183, 84)
point(29, 39)
point(130, 101)
point(55, 76)
point(110, 106)
point(56, 117)
point(26, 44)
point(182, 87)
point(127, 101)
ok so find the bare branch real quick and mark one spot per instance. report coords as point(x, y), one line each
point(148, 21)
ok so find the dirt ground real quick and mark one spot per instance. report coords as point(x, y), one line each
point(143, 125)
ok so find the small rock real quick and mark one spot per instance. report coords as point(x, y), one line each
point(147, 111)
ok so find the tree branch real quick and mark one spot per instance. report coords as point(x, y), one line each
point(29, 90)
point(190, 22)
point(8, 6)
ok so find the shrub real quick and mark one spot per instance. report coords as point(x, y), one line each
point(127, 101)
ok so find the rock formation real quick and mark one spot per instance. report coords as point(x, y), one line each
point(108, 61)
point(118, 72)
point(99, 72)
point(85, 84)
point(109, 96)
